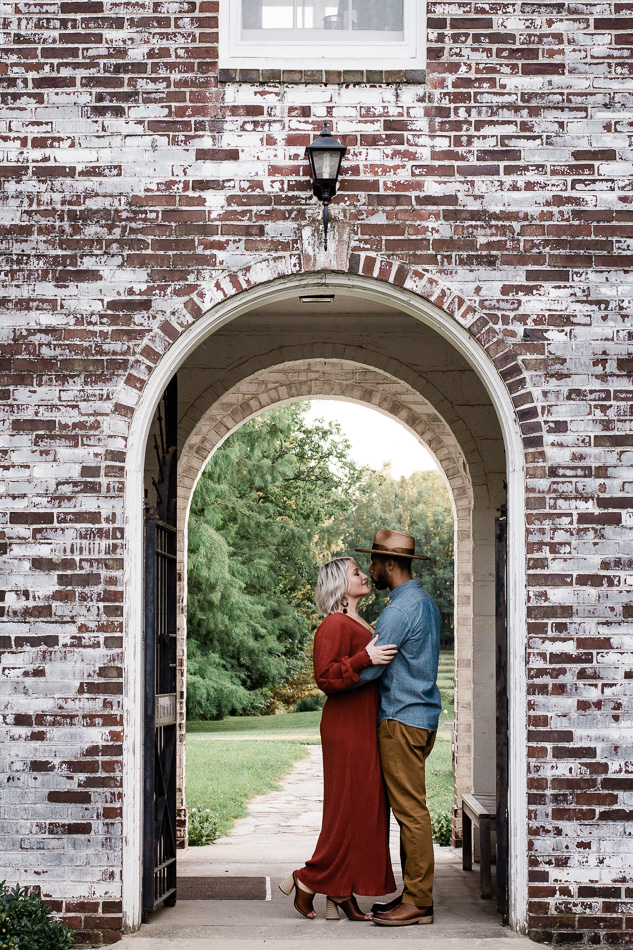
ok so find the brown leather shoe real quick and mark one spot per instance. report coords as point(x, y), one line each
point(378, 908)
point(404, 914)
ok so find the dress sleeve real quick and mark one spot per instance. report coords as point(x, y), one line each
point(334, 669)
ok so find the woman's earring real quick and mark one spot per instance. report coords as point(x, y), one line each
point(345, 604)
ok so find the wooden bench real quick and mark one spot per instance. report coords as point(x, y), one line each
point(482, 811)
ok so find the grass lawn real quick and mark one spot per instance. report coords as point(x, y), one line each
point(223, 775)
point(230, 761)
point(296, 727)
point(439, 775)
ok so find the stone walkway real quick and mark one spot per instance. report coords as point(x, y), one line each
point(277, 836)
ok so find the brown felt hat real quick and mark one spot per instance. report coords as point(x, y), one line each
point(394, 543)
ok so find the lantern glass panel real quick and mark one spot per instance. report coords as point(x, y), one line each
point(326, 163)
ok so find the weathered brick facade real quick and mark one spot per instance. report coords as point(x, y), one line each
point(137, 180)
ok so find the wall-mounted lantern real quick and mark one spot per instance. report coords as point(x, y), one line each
point(324, 155)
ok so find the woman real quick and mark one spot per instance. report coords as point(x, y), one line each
point(352, 853)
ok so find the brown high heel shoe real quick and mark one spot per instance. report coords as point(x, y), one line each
point(303, 900)
point(349, 907)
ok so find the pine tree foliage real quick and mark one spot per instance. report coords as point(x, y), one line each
point(262, 520)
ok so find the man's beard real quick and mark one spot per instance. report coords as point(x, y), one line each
point(381, 581)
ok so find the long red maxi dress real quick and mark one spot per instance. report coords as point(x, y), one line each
point(352, 853)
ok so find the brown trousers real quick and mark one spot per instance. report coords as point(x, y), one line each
point(403, 753)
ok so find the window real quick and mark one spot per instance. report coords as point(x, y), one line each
point(339, 34)
point(345, 19)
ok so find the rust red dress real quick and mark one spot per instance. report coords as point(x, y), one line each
point(352, 853)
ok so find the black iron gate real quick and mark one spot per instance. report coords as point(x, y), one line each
point(502, 711)
point(159, 817)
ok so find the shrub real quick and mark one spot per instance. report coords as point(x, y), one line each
point(203, 828)
point(26, 923)
point(442, 827)
point(310, 703)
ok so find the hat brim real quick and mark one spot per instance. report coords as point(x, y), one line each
point(413, 557)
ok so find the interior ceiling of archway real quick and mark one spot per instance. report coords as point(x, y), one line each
point(360, 331)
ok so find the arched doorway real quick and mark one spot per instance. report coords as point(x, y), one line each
point(386, 329)
point(313, 378)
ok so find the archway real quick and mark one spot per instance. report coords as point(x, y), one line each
point(484, 366)
point(315, 378)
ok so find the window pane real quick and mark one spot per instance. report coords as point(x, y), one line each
point(340, 15)
point(377, 15)
point(316, 14)
point(268, 14)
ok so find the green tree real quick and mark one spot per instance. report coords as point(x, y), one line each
point(263, 517)
point(419, 505)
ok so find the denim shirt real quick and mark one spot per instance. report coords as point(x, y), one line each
point(408, 685)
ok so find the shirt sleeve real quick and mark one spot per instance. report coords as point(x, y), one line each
point(391, 627)
point(334, 669)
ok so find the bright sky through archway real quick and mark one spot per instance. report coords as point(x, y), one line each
point(375, 438)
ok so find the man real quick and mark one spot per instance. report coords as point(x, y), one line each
point(408, 715)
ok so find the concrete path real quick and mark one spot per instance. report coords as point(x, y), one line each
point(277, 836)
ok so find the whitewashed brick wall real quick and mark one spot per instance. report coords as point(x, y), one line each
point(132, 178)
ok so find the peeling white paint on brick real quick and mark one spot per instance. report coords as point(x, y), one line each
point(498, 182)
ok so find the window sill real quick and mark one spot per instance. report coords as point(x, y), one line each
point(323, 76)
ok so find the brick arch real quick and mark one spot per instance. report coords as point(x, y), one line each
point(291, 381)
point(369, 268)
point(410, 291)
point(373, 360)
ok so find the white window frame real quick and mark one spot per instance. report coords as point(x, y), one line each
point(321, 52)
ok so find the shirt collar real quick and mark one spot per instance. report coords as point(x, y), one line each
point(414, 582)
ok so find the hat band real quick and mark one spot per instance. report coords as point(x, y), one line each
point(405, 552)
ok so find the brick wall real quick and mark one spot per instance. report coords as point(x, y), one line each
point(132, 177)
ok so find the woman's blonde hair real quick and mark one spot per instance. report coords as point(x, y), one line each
point(331, 586)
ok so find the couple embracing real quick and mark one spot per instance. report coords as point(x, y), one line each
point(377, 729)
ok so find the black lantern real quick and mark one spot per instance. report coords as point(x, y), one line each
point(324, 155)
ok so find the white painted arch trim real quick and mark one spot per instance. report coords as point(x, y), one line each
point(219, 315)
